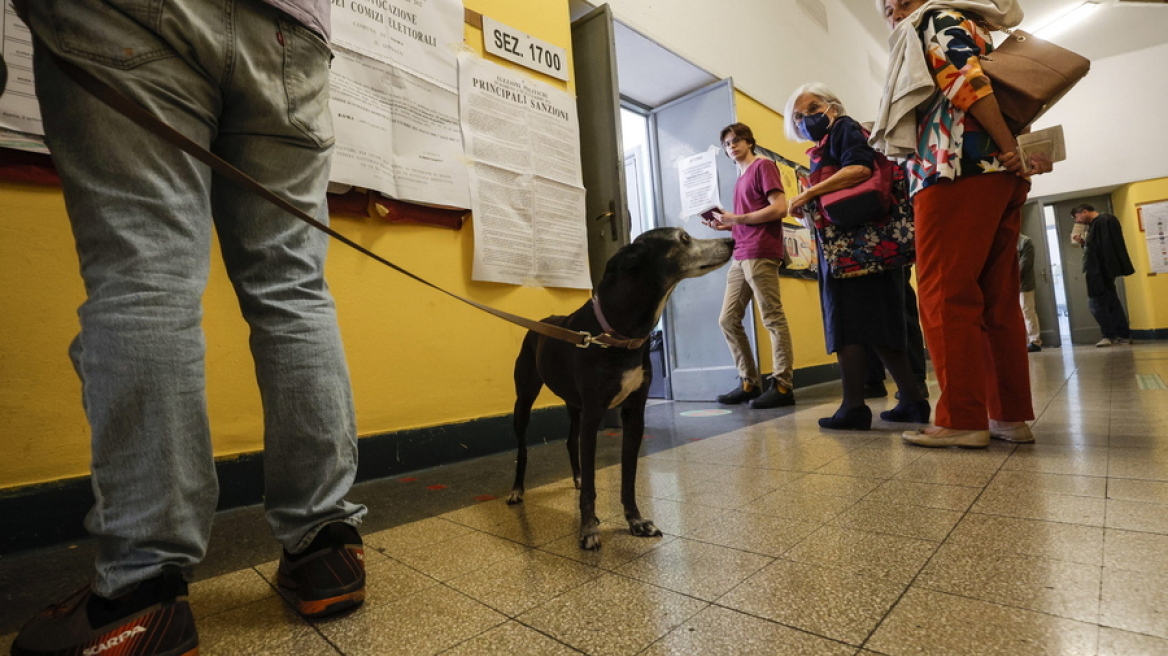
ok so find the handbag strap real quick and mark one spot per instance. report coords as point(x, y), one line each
point(141, 116)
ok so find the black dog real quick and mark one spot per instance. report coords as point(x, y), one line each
point(628, 301)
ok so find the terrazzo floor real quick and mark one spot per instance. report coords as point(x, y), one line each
point(780, 538)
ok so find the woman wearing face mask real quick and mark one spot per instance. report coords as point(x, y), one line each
point(967, 184)
point(863, 310)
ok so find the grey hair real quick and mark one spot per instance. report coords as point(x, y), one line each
point(817, 89)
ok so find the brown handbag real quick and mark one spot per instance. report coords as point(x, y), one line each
point(1029, 75)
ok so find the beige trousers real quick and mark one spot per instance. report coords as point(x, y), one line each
point(1033, 331)
point(756, 280)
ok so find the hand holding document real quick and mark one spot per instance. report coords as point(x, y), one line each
point(1047, 142)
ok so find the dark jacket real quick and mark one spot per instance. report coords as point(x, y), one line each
point(1026, 262)
point(1105, 255)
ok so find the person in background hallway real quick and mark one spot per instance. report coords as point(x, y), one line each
point(968, 187)
point(1029, 314)
point(1105, 258)
point(864, 311)
point(247, 79)
point(757, 227)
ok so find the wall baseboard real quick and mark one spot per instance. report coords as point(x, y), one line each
point(48, 514)
point(54, 513)
point(1154, 334)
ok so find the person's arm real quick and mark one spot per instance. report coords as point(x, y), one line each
point(848, 176)
point(774, 211)
point(1025, 258)
point(955, 59)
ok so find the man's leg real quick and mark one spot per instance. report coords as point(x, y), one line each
point(1118, 315)
point(1030, 315)
point(141, 220)
point(278, 130)
point(763, 277)
point(734, 304)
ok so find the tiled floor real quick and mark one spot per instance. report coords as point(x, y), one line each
point(779, 538)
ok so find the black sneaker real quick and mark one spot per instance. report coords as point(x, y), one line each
point(775, 396)
point(1033, 348)
point(327, 577)
point(153, 620)
point(741, 394)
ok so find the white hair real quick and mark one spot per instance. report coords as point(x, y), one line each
point(817, 89)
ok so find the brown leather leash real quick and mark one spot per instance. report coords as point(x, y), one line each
point(140, 115)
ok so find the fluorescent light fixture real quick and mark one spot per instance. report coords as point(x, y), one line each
point(1067, 20)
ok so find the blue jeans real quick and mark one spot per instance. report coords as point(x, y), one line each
point(251, 84)
point(1109, 314)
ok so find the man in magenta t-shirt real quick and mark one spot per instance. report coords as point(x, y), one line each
point(757, 226)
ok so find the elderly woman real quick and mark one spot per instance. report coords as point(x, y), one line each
point(968, 187)
point(861, 280)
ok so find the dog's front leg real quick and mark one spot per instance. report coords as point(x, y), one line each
point(574, 443)
point(633, 419)
point(590, 419)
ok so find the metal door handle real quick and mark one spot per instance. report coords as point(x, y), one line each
point(611, 222)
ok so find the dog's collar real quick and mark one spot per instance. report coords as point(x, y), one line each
point(611, 337)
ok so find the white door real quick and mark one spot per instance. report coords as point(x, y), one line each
point(700, 364)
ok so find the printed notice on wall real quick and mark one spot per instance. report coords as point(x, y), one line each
point(396, 133)
point(1155, 218)
point(699, 183)
point(526, 185)
point(19, 111)
point(421, 36)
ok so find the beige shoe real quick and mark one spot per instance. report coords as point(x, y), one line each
point(1008, 431)
point(939, 436)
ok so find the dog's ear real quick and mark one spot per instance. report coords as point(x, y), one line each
point(632, 256)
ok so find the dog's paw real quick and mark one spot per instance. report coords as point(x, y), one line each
point(516, 497)
point(644, 528)
point(590, 541)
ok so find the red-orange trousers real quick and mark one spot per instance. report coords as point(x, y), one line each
point(967, 275)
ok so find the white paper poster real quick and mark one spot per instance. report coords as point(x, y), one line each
point(421, 36)
point(527, 193)
point(396, 133)
point(18, 105)
point(699, 183)
point(1155, 218)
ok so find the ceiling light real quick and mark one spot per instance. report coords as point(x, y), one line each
point(1067, 20)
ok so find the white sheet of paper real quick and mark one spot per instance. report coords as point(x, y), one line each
point(699, 183)
point(421, 36)
point(1155, 218)
point(19, 110)
point(527, 194)
point(396, 133)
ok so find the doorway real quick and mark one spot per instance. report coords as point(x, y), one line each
point(667, 108)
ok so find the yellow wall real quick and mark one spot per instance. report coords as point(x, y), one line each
point(418, 358)
point(800, 297)
point(1147, 294)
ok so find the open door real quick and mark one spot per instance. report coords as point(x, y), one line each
point(601, 148)
point(1045, 299)
point(700, 363)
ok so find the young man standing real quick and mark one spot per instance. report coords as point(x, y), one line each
point(759, 207)
point(1105, 258)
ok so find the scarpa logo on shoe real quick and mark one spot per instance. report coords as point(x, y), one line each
point(114, 641)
